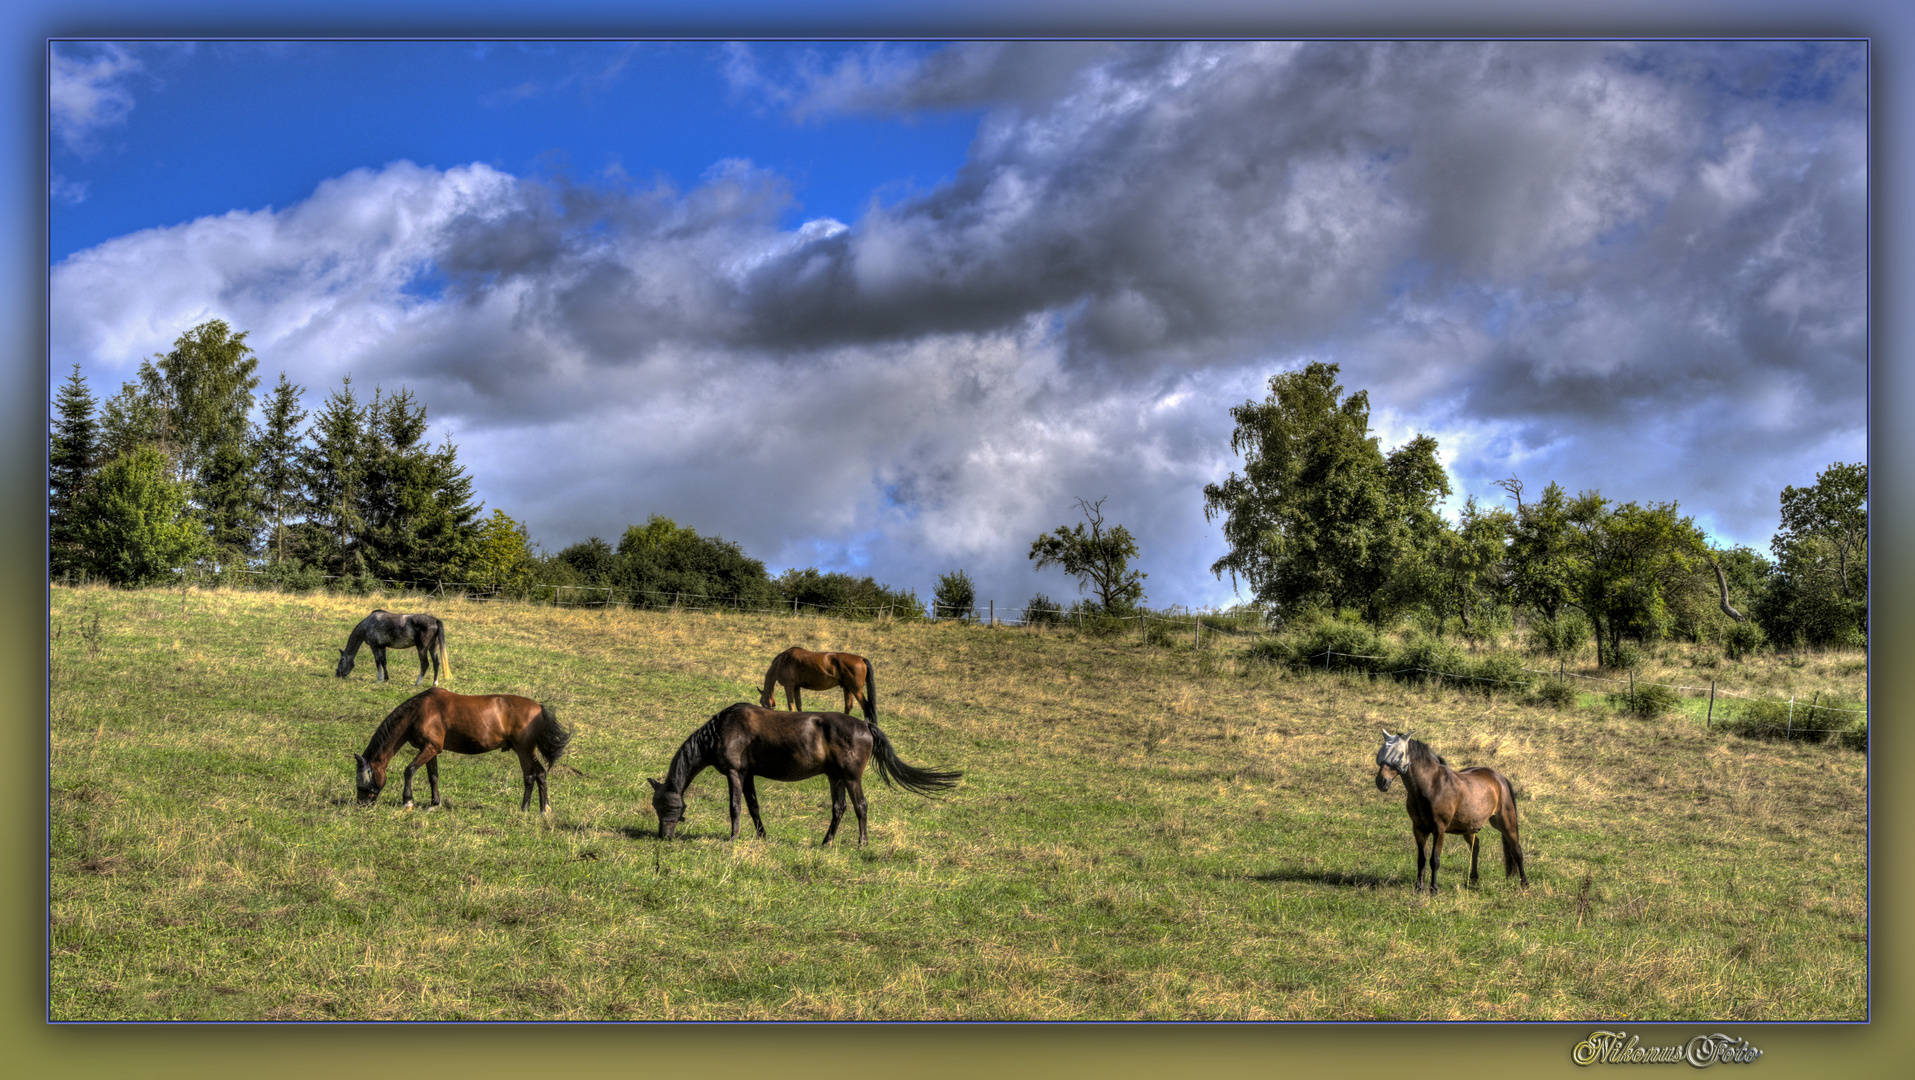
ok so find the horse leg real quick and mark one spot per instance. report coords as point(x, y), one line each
point(751, 804)
point(379, 662)
point(533, 773)
point(423, 650)
point(837, 810)
point(737, 795)
point(1472, 858)
point(1436, 856)
point(1421, 839)
point(426, 754)
point(856, 784)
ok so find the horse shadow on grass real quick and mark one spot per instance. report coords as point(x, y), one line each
point(1338, 878)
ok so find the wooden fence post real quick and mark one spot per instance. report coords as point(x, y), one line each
point(1711, 721)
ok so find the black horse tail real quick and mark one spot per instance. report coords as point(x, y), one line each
point(1512, 847)
point(549, 737)
point(909, 777)
point(870, 692)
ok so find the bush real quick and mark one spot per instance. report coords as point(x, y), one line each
point(1766, 718)
point(1424, 658)
point(1353, 645)
point(1041, 610)
point(1555, 693)
point(1500, 673)
point(1559, 637)
point(1742, 639)
point(1164, 634)
point(1647, 700)
point(1625, 657)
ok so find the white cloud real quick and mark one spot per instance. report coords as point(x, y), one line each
point(87, 91)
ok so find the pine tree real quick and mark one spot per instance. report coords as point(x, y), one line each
point(72, 455)
point(277, 447)
point(332, 470)
point(419, 517)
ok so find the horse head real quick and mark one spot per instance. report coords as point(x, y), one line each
point(1392, 758)
point(370, 779)
point(345, 664)
point(670, 806)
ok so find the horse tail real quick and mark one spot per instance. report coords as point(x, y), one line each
point(893, 770)
point(870, 692)
point(1512, 846)
point(445, 654)
point(549, 737)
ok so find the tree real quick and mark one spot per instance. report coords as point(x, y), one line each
point(1818, 593)
point(660, 562)
point(1626, 563)
point(1098, 558)
point(72, 454)
point(955, 596)
point(1320, 516)
point(502, 551)
point(332, 467)
point(191, 403)
point(134, 527)
point(277, 447)
point(418, 517)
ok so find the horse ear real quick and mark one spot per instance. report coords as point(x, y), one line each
point(1386, 732)
point(656, 786)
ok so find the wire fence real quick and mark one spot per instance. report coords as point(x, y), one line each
point(1790, 718)
point(1755, 714)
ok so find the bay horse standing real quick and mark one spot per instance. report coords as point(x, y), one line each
point(439, 720)
point(798, 670)
point(384, 630)
point(747, 741)
point(1445, 800)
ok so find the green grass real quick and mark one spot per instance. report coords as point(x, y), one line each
point(1142, 832)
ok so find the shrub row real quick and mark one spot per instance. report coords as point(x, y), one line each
point(1336, 645)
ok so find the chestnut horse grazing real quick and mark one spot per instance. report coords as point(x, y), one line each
point(384, 630)
point(798, 670)
point(1445, 800)
point(464, 724)
point(747, 741)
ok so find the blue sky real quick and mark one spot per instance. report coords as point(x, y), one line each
point(893, 308)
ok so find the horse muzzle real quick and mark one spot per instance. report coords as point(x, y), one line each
point(1384, 775)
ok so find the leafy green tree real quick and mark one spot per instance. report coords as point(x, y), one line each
point(1099, 558)
point(955, 596)
point(846, 594)
point(1320, 516)
point(72, 454)
point(591, 559)
point(134, 527)
point(661, 562)
point(1626, 564)
point(1818, 593)
point(502, 551)
point(1460, 571)
point(1541, 537)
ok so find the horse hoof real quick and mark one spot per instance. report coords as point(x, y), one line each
point(405, 806)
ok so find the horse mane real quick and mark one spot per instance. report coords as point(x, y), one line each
point(1420, 751)
point(699, 747)
point(394, 725)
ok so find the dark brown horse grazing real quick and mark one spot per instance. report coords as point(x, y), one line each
point(464, 724)
point(1445, 800)
point(384, 630)
point(747, 741)
point(798, 670)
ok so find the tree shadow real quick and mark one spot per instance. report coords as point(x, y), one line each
point(1337, 878)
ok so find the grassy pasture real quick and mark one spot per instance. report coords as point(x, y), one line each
point(1142, 832)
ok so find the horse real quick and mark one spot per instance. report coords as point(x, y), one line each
point(439, 719)
point(383, 630)
point(746, 741)
point(798, 670)
point(1445, 800)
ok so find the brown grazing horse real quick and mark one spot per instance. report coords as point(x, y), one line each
point(1445, 800)
point(464, 724)
point(384, 630)
point(747, 741)
point(798, 670)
